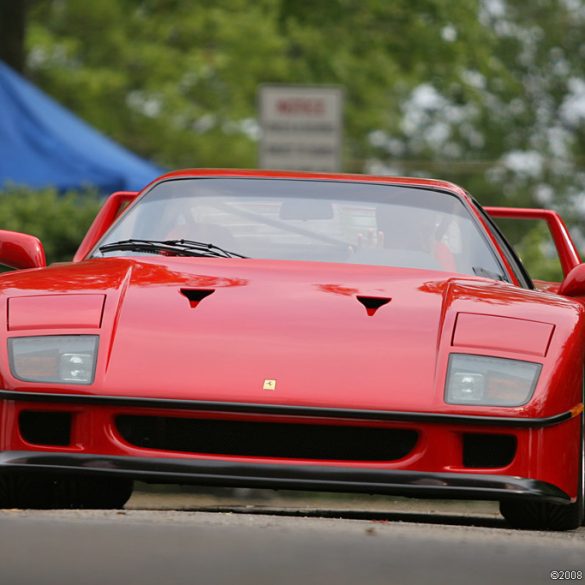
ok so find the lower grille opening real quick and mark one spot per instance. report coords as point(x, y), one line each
point(45, 428)
point(259, 439)
point(485, 450)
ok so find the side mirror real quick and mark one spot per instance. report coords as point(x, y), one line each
point(574, 283)
point(21, 250)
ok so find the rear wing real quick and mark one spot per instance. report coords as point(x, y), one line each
point(566, 249)
point(115, 204)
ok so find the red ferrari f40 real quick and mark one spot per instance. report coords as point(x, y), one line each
point(299, 331)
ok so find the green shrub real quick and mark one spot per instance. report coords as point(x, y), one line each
point(59, 221)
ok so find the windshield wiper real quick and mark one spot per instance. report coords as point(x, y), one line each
point(480, 271)
point(173, 247)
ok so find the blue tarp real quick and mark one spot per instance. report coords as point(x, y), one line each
point(44, 145)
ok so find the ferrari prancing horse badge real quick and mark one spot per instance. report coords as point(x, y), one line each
point(269, 385)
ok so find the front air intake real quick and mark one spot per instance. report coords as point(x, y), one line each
point(45, 428)
point(266, 439)
point(486, 451)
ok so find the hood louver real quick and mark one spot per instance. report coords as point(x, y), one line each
point(372, 304)
point(195, 296)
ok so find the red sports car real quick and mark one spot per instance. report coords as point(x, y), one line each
point(294, 330)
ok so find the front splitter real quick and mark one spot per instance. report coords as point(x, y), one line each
point(287, 476)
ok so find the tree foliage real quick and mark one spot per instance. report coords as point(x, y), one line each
point(515, 136)
point(59, 221)
point(12, 32)
point(177, 81)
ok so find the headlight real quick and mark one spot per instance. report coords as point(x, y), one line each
point(68, 359)
point(490, 381)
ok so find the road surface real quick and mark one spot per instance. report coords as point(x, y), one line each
point(168, 539)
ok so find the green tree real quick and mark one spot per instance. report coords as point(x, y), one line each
point(12, 32)
point(515, 136)
point(177, 81)
point(59, 221)
point(173, 81)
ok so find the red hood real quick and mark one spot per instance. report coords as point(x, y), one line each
point(298, 323)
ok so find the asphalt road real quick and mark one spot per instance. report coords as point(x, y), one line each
point(263, 540)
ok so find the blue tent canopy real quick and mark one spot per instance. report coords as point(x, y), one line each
point(44, 145)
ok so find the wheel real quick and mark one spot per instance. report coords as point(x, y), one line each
point(534, 515)
point(39, 492)
point(25, 491)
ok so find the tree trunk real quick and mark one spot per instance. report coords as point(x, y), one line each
point(12, 31)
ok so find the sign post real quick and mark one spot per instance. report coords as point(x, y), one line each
point(301, 127)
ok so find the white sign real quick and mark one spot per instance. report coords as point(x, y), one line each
point(301, 127)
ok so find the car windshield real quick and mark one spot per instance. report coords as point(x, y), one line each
point(310, 220)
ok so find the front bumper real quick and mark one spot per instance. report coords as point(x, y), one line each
point(435, 467)
point(301, 477)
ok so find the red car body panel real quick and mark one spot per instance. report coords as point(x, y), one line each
point(307, 327)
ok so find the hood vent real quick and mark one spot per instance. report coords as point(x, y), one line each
point(196, 295)
point(372, 304)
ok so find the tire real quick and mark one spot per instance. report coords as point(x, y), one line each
point(38, 492)
point(25, 491)
point(534, 515)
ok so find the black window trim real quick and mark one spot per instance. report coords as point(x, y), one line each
point(513, 259)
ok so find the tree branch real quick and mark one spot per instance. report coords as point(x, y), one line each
point(12, 32)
